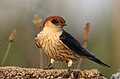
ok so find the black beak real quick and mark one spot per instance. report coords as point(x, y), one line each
point(64, 24)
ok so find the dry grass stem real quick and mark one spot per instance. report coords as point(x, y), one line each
point(86, 30)
point(37, 22)
point(6, 54)
point(41, 56)
point(11, 39)
point(12, 36)
point(0, 39)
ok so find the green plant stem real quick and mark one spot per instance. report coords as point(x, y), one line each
point(6, 54)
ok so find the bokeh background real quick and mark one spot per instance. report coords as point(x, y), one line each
point(104, 35)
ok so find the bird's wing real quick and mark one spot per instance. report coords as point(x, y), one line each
point(37, 42)
point(74, 45)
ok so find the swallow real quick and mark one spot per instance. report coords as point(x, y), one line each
point(59, 45)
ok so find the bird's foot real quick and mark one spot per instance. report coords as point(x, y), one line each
point(48, 68)
point(67, 75)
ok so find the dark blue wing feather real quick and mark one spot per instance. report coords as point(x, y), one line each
point(74, 45)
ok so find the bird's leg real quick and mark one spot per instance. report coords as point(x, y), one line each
point(69, 71)
point(49, 65)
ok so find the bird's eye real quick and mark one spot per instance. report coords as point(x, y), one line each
point(54, 22)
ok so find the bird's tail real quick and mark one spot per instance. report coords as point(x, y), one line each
point(99, 61)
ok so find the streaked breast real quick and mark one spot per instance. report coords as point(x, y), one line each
point(55, 48)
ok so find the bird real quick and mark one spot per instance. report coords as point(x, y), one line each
point(59, 45)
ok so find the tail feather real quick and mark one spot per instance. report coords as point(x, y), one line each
point(99, 61)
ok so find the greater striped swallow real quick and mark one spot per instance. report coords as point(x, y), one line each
point(60, 45)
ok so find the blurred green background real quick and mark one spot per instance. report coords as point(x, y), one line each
point(104, 35)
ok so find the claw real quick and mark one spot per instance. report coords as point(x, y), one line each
point(48, 67)
point(68, 73)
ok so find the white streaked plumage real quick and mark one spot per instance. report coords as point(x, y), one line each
point(53, 47)
point(60, 45)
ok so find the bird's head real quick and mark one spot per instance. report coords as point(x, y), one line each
point(54, 21)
